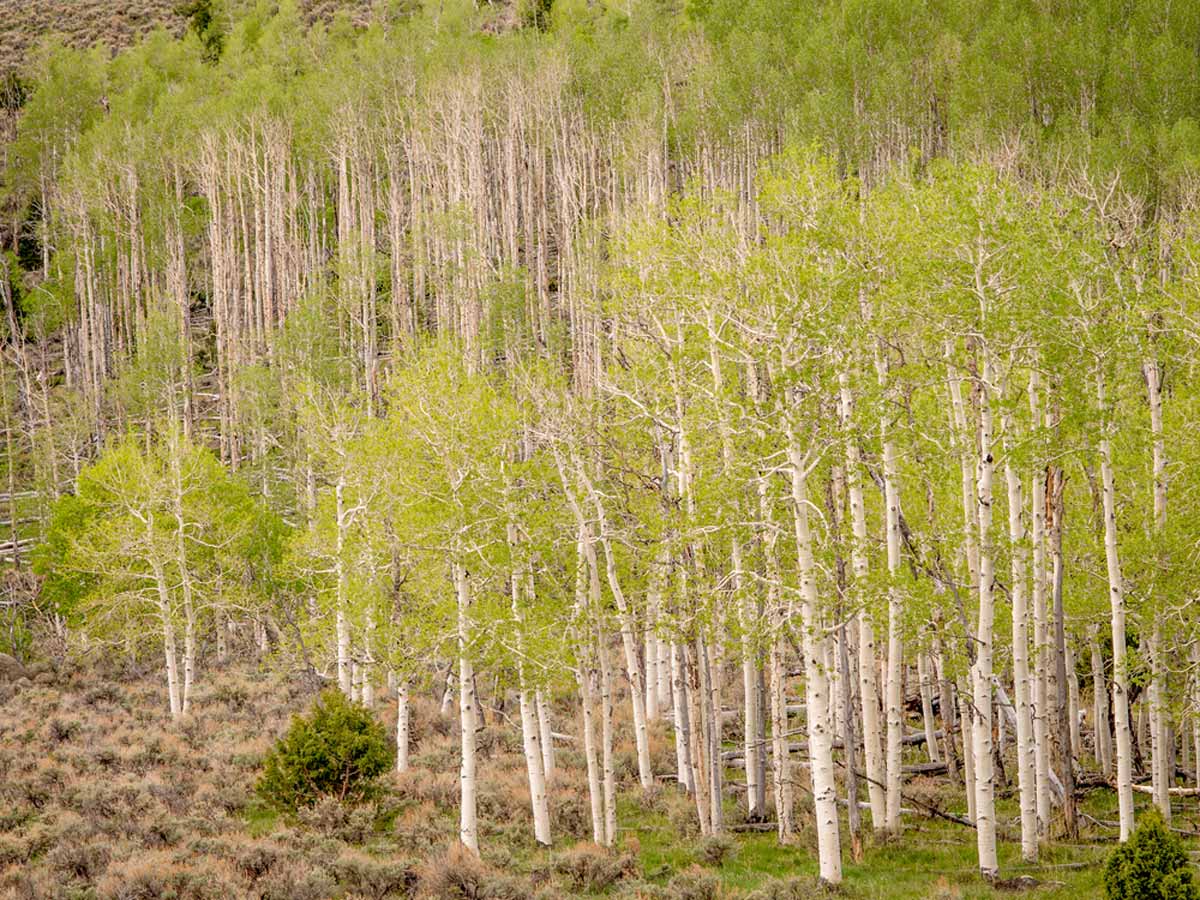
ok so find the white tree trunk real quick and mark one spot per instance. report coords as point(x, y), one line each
point(468, 829)
point(781, 766)
point(1073, 698)
point(402, 726)
point(345, 677)
point(1100, 725)
point(925, 680)
point(606, 746)
point(985, 806)
point(637, 692)
point(868, 689)
point(1026, 762)
point(545, 731)
point(967, 722)
point(650, 649)
point(1162, 769)
point(681, 724)
point(895, 664)
point(1116, 594)
point(820, 739)
point(534, 764)
point(1041, 655)
point(587, 695)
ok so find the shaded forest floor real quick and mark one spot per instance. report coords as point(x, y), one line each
point(101, 796)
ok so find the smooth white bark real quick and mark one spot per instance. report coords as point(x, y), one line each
point(1116, 595)
point(1026, 761)
point(468, 828)
point(820, 738)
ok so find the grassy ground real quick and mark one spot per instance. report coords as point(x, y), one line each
point(933, 858)
point(102, 797)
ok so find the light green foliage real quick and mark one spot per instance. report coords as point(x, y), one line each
point(107, 542)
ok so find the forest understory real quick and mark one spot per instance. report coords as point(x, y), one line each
point(104, 796)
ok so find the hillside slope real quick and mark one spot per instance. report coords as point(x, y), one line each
point(114, 23)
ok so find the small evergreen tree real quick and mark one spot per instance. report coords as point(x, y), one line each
point(339, 750)
point(1151, 866)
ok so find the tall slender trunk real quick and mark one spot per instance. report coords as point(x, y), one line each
point(925, 684)
point(966, 718)
point(985, 806)
point(820, 739)
point(1101, 730)
point(782, 789)
point(345, 679)
point(164, 611)
point(402, 725)
point(546, 733)
point(868, 690)
point(468, 829)
point(1162, 768)
point(625, 618)
point(681, 724)
point(853, 815)
point(1041, 654)
point(895, 664)
point(606, 742)
point(1054, 482)
point(1116, 595)
point(698, 737)
point(587, 693)
point(1026, 763)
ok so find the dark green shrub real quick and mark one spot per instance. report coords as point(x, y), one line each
point(1152, 865)
point(337, 751)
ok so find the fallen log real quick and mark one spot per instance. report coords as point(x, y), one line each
point(1174, 792)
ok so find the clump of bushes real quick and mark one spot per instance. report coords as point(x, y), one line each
point(461, 875)
point(716, 848)
point(1152, 865)
point(337, 751)
point(591, 868)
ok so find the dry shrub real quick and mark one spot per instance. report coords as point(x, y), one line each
point(592, 868)
point(420, 829)
point(681, 813)
point(803, 888)
point(459, 874)
point(929, 793)
point(437, 754)
point(495, 740)
point(504, 796)
point(298, 880)
point(570, 813)
point(158, 875)
point(83, 860)
point(60, 731)
point(716, 848)
point(351, 824)
point(694, 884)
point(440, 789)
point(375, 878)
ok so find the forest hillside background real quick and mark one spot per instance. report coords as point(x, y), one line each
point(655, 449)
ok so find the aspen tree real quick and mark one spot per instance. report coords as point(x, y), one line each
point(1026, 765)
point(1116, 593)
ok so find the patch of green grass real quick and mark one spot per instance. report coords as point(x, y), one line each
point(932, 858)
point(260, 818)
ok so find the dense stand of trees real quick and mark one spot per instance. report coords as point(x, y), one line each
point(794, 359)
